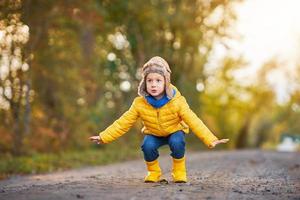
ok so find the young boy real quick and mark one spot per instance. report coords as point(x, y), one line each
point(166, 117)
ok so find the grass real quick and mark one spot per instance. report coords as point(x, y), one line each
point(48, 162)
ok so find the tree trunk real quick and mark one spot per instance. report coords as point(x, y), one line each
point(243, 133)
point(17, 131)
point(27, 113)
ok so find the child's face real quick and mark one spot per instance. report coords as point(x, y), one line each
point(155, 84)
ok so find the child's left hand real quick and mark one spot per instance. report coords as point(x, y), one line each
point(214, 143)
point(96, 139)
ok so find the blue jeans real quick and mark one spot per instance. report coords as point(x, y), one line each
point(151, 143)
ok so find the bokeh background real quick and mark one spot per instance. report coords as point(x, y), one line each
point(68, 69)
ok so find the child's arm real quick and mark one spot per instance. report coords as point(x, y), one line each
point(197, 126)
point(119, 127)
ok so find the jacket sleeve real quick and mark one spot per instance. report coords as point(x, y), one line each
point(121, 125)
point(197, 126)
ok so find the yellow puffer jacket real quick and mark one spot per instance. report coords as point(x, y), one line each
point(173, 116)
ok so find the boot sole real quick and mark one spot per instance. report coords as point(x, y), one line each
point(160, 181)
point(180, 181)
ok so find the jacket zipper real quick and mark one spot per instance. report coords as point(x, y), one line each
point(157, 112)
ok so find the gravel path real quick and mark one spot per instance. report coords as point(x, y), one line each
point(248, 174)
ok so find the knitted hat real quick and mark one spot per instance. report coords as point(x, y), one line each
point(160, 66)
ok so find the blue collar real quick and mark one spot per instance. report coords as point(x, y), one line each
point(157, 103)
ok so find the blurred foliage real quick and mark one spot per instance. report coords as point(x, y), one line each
point(78, 72)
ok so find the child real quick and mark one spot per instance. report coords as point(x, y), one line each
point(166, 117)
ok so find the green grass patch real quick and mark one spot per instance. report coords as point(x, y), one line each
point(43, 163)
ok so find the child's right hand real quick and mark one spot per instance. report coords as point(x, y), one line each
point(216, 142)
point(96, 139)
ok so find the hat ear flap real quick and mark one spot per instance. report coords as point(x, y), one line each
point(169, 92)
point(168, 88)
point(142, 88)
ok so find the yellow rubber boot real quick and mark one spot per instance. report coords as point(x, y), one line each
point(154, 172)
point(179, 171)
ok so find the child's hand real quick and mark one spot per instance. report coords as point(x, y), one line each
point(96, 139)
point(214, 143)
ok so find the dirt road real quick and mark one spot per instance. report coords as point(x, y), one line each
point(249, 174)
